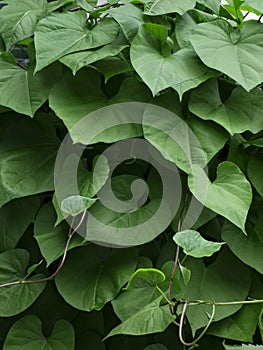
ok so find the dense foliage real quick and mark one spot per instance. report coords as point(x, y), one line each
point(188, 68)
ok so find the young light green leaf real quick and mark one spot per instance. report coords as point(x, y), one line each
point(75, 205)
point(94, 275)
point(161, 7)
point(62, 336)
point(152, 318)
point(32, 268)
point(29, 91)
point(240, 112)
point(217, 44)
point(17, 298)
point(229, 273)
point(19, 18)
point(140, 291)
point(195, 245)
point(181, 70)
point(62, 33)
point(254, 171)
point(229, 195)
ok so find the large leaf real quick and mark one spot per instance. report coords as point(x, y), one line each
point(24, 211)
point(195, 245)
point(29, 91)
point(161, 7)
point(28, 150)
point(181, 70)
point(254, 171)
point(19, 18)
point(70, 101)
point(17, 298)
point(247, 248)
point(218, 44)
point(75, 61)
point(228, 273)
point(255, 4)
point(93, 275)
point(140, 291)
point(129, 18)
point(230, 186)
point(62, 33)
point(152, 318)
point(26, 334)
point(50, 238)
point(240, 112)
point(214, 5)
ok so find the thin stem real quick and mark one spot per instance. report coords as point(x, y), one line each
point(182, 324)
point(60, 265)
point(224, 303)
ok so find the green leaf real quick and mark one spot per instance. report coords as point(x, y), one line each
point(213, 5)
point(75, 205)
point(76, 61)
point(52, 239)
point(217, 44)
point(113, 66)
point(93, 275)
point(243, 347)
point(28, 151)
point(255, 4)
point(17, 298)
point(24, 211)
point(129, 18)
point(62, 33)
point(247, 248)
point(240, 112)
point(19, 18)
point(230, 186)
point(181, 70)
point(254, 171)
point(140, 291)
point(152, 318)
point(70, 101)
point(228, 273)
point(29, 91)
point(156, 347)
point(195, 245)
point(27, 333)
point(161, 7)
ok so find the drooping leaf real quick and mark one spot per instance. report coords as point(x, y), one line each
point(27, 333)
point(29, 91)
point(17, 298)
point(75, 205)
point(228, 273)
point(161, 7)
point(246, 248)
point(19, 18)
point(50, 238)
point(24, 211)
point(140, 291)
point(76, 61)
point(240, 112)
point(181, 70)
point(254, 171)
point(28, 150)
point(93, 275)
point(113, 66)
point(195, 245)
point(213, 5)
point(229, 187)
point(217, 44)
point(62, 33)
point(152, 318)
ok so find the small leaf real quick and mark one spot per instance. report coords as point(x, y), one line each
point(26, 333)
point(32, 268)
point(75, 205)
point(195, 245)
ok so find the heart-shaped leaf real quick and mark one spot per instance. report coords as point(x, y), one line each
point(230, 195)
point(26, 334)
point(75, 205)
point(13, 267)
point(195, 245)
point(218, 44)
point(240, 112)
point(181, 70)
